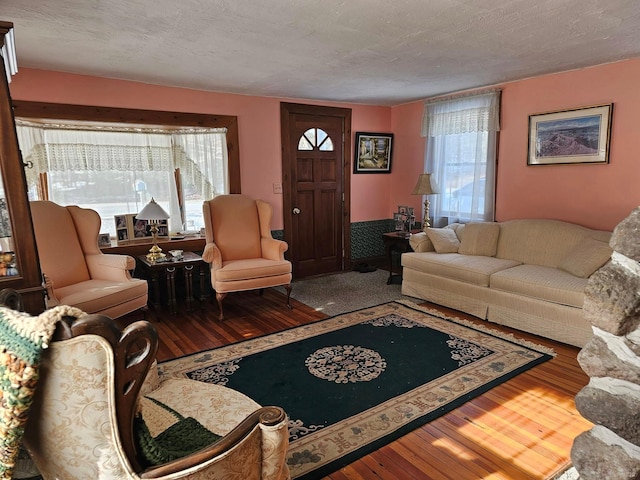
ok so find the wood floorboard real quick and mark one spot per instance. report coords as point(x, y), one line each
point(521, 429)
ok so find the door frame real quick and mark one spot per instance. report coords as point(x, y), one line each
point(287, 109)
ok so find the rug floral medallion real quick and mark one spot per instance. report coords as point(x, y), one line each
point(357, 381)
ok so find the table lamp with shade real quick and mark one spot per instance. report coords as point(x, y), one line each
point(426, 186)
point(153, 213)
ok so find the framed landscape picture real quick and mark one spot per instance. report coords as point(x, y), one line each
point(570, 136)
point(373, 152)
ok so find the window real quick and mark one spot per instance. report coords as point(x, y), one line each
point(116, 169)
point(461, 155)
point(315, 137)
point(178, 163)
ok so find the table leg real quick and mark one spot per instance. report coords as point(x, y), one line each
point(155, 290)
point(171, 288)
point(188, 278)
point(203, 291)
point(390, 259)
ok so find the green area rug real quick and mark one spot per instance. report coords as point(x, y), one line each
point(357, 381)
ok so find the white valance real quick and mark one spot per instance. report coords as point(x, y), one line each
point(462, 114)
point(200, 154)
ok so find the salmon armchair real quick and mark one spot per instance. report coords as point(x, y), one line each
point(240, 249)
point(76, 271)
point(97, 406)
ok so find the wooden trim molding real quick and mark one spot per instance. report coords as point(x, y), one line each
point(4, 29)
point(59, 111)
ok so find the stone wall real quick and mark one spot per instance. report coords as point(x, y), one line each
point(611, 400)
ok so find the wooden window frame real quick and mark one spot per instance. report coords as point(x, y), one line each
point(164, 119)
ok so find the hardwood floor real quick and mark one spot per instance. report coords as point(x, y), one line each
point(522, 429)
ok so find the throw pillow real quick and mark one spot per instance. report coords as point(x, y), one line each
point(444, 240)
point(164, 435)
point(22, 340)
point(480, 238)
point(588, 256)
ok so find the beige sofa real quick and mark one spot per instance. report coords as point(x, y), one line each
point(527, 274)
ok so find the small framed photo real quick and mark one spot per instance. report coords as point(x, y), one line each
point(398, 222)
point(570, 136)
point(141, 228)
point(104, 240)
point(121, 221)
point(373, 152)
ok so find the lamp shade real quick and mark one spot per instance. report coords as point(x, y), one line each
point(425, 186)
point(152, 211)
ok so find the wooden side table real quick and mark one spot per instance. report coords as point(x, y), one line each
point(153, 270)
point(395, 242)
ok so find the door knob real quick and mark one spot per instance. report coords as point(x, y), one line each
point(296, 211)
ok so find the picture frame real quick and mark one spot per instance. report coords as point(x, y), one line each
point(373, 152)
point(403, 219)
point(576, 136)
point(104, 240)
point(130, 229)
point(398, 222)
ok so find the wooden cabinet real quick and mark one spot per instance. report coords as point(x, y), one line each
point(19, 267)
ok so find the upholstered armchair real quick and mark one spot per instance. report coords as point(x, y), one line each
point(100, 410)
point(240, 249)
point(76, 272)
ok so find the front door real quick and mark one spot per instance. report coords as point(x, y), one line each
point(316, 145)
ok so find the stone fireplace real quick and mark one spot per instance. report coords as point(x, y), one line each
point(611, 400)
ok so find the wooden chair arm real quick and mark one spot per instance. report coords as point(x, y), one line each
point(134, 351)
point(268, 416)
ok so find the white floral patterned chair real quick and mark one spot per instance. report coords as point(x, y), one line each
point(95, 396)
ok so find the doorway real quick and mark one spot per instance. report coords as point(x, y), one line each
point(316, 146)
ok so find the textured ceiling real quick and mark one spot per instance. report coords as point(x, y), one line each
point(362, 51)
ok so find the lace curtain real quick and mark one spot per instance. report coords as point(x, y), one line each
point(464, 114)
point(461, 155)
point(200, 154)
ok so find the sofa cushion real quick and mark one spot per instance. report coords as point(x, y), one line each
point(588, 256)
point(480, 238)
point(444, 240)
point(544, 283)
point(542, 241)
point(465, 268)
point(251, 268)
point(94, 296)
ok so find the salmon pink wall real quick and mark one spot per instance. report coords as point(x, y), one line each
point(258, 125)
point(370, 191)
point(597, 196)
point(408, 157)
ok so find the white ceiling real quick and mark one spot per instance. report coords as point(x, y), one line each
point(382, 52)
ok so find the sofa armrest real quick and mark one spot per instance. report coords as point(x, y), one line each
point(212, 255)
point(273, 249)
point(113, 267)
point(419, 242)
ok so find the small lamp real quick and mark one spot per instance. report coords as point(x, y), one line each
point(425, 186)
point(152, 212)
